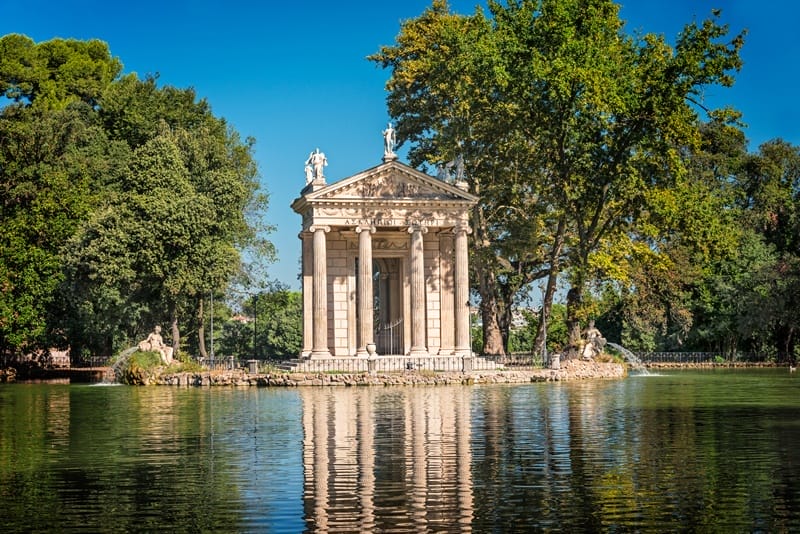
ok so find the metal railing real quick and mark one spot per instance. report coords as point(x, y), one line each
point(393, 364)
point(221, 364)
point(518, 360)
point(700, 357)
point(389, 338)
point(90, 361)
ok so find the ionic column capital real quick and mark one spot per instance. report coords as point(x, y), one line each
point(315, 227)
point(365, 228)
point(417, 227)
point(462, 228)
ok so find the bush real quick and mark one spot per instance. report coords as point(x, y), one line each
point(141, 367)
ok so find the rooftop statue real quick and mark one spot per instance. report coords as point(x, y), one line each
point(389, 142)
point(314, 165)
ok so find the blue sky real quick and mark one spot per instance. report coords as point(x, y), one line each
point(293, 75)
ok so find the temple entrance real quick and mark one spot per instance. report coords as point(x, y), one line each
point(412, 229)
point(387, 290)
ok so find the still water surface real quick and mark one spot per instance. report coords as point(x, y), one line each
point(713, 451)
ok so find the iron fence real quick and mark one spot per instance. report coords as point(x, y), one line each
point(518, 360)
point(90, 361)
point(388, 364)
point(221, 364)
point(700, 357)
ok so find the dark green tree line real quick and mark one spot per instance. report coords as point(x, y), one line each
point(124, 204)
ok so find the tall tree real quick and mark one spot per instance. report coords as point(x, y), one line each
point(771, 197)
point(552, 104)
point(172, 233)
point(123, 203)
point(448, 74)
point(54, 160)
point(53, 74)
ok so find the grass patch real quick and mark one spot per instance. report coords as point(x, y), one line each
point(186, 367)
point(141, 367)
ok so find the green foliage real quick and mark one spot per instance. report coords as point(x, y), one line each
point(122, 202)
point(273, 329)
point(567, 126)
point(237, 340)
point(53, 74)
point(52, 164)
point(280, 324)
point(522, 338)
point(141, 367)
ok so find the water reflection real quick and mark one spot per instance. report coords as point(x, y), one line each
point(386, 460)
point(636, 454)
point(680, 452)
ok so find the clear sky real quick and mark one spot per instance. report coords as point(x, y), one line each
point(293, 74)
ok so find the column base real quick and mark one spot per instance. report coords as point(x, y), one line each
point(463, 353)
point(417, 351)
point(320, 355)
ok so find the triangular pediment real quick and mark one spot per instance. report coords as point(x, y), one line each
point(391, 181)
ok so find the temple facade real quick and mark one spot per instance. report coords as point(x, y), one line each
point(384, 263)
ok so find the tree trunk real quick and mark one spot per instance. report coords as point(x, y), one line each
point(201, 331)
point(176, 334)
point(487, 285)
point(492, 334)
point(550, 290)
point(574, 301)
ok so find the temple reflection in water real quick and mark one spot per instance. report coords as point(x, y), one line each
point(423, 471)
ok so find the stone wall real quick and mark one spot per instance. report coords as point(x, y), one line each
point(571, 370)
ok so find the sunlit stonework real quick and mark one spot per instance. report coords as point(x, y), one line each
point(385, 264)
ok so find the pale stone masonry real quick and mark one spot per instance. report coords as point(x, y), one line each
point(385, 265)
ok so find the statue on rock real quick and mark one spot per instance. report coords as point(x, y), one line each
point(155, 343)
point(594, 342)
point(314, 167)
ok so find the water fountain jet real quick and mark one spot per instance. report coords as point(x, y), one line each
point(635, 363)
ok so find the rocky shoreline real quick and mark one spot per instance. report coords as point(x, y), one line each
point(571, 370)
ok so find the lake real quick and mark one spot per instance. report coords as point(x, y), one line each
point(710, 451)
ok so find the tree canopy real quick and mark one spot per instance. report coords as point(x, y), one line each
point(124, 203)
point(574, 133)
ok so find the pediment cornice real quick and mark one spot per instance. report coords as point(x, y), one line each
point(388, 195)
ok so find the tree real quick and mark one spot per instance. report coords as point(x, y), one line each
point(771, 199)
point(280, 324)
point(54, 158)
point(53, 166)
point(56, 73)
point(556, 109)
point(123, 203)
point(155, 251)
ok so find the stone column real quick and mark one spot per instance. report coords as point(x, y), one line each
point(308, 290)
point(446, 294)
point(461, 306)
point(365, 295)
point(418, 347)
point(320, 293)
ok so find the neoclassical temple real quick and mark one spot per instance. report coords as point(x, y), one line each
point(384, 262)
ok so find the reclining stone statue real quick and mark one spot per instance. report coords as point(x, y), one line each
point(155, 343)
point(595, 342)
